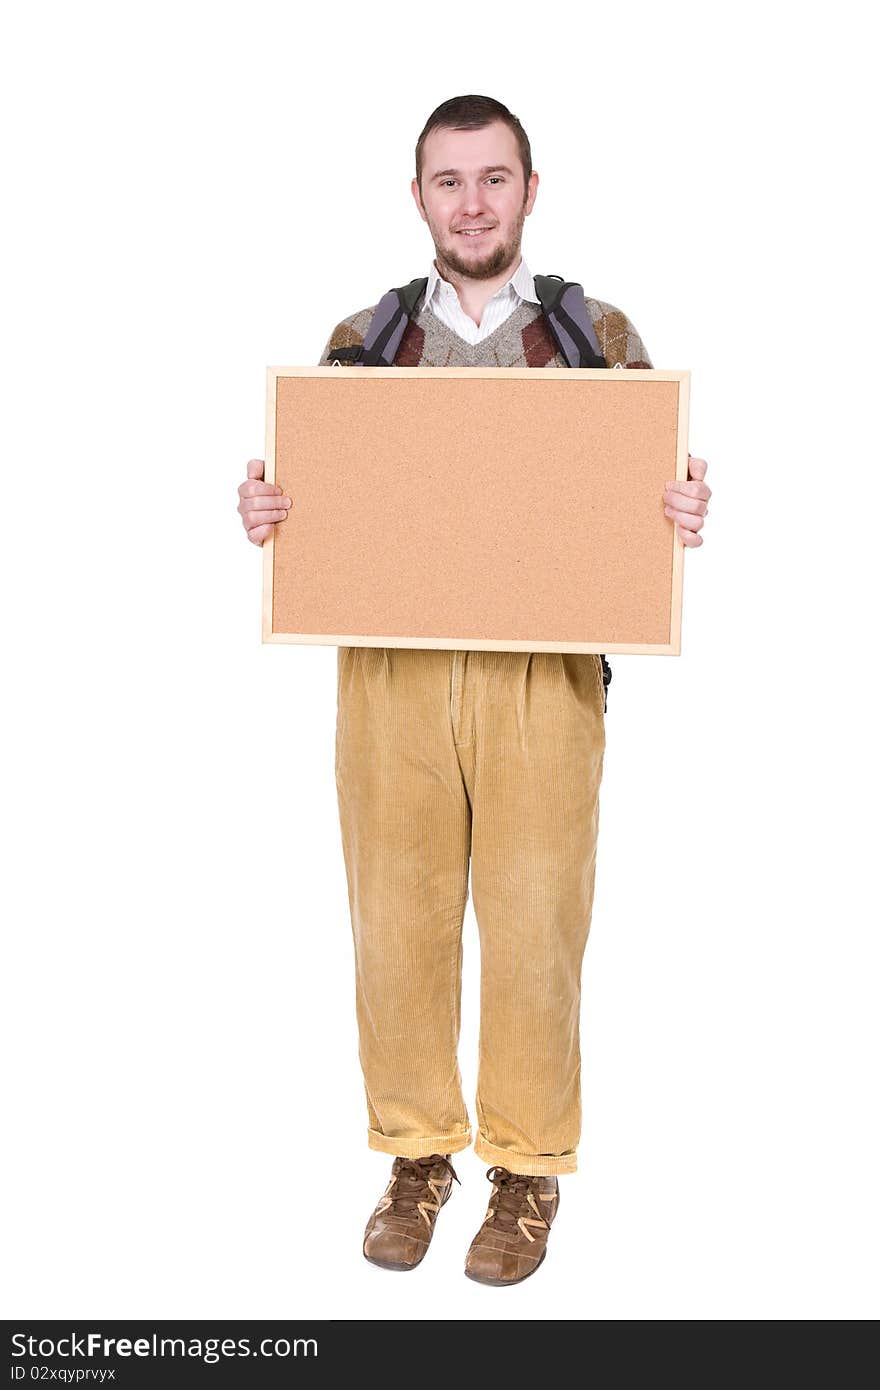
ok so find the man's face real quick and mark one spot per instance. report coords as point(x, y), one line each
point(473, 179)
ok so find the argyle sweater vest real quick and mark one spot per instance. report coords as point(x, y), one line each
point(522, 340)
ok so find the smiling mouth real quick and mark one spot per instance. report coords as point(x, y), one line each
point(474, 234)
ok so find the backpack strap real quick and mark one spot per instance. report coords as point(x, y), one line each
point(568, 318)
point(386, 328)
point(388, 324)
point(606, 677)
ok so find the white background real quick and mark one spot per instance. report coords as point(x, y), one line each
point(193, 192)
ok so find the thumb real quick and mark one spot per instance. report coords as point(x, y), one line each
point(696, 468)
point(255, 468)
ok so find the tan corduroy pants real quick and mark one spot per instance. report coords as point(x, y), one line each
point(445, 758)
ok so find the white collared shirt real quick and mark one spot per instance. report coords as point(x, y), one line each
point(442, 298)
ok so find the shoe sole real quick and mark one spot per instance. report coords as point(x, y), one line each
point(391, 1264)
point(506, 1283)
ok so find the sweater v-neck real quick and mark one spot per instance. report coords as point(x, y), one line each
point(484, 342)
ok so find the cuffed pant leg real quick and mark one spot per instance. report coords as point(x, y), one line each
point(405, 823)
point(539, 749)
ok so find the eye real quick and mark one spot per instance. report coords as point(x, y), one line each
point(497, 178)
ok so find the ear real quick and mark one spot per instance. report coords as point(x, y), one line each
point(414, 186)
point(531, 192)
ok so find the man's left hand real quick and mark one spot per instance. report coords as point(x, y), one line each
point(687, 503)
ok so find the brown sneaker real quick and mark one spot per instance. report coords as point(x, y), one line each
point(399, 1231)
point(512, 1240)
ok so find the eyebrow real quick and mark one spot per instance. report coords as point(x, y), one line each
point(486, 169)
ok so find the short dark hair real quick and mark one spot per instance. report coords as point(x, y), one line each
point(473, 113)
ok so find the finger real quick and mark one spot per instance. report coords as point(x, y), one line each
point(258, 534)
point(685, 519)
point(260, 518)
point(696, 467)
point(255, 471)
point(265, 501)
point(689, 488)
point(689, 539)
point(257, 489)
point(685, 504)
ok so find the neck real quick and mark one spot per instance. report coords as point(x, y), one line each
point(473, 293)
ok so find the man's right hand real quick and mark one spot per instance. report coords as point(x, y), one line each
point(260, 504)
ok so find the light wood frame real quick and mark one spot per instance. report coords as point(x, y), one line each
point(626, 379)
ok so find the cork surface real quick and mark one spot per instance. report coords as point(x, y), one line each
point(497, 507)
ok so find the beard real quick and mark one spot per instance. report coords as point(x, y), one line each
point(477, 267)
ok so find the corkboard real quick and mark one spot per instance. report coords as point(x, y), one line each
point(463, 507)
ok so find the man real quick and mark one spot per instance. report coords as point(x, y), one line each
point(491, 760)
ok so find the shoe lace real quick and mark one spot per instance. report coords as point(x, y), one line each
point(412, 1186)
point(514, 1201)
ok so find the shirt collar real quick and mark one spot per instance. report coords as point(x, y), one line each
point(521, 282)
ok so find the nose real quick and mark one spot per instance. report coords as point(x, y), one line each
point(472, 205)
